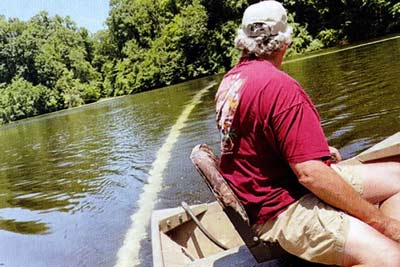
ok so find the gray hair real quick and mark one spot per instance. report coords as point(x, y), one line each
point(259, 40)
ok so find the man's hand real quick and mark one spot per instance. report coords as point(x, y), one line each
point(335, 154)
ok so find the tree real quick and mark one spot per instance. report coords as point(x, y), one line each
point(20, 99)
point(48, 63)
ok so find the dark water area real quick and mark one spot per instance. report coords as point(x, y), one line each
point(70, 181)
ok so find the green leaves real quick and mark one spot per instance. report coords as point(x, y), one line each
point(48, 63)
point(353, 20)
point(20, 99)
point(45, 66)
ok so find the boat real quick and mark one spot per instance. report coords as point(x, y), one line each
point(206, 235)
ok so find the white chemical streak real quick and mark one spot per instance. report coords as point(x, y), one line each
point(128, 254)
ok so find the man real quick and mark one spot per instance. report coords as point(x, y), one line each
point(276, 158)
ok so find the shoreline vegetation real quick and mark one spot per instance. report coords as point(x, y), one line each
point(49, 64)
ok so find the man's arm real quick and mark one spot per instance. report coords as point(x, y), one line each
point(327, 185)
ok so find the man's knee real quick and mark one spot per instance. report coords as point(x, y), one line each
point(380, 181)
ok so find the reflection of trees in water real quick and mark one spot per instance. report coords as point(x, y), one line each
point(45, 167)
point(28, 227)
point(72, 161)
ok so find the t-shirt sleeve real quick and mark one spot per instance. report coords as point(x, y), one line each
point(299, 134)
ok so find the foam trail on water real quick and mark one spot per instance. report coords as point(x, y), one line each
point(128, 254)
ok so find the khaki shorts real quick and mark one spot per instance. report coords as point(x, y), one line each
point(311, 229)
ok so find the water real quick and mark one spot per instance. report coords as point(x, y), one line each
point(70, 181)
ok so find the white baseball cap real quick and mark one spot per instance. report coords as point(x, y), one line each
point(270, 12)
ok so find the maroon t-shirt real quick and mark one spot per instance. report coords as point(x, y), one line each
point(266, 121)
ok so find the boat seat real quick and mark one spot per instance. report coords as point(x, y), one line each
point(206, 163)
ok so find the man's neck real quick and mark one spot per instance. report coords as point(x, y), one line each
point(276, 57)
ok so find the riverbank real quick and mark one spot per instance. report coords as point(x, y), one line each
point(50, 64)
point(338, 49)
point(295, 58)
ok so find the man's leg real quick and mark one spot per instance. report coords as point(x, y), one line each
point(364, 245)
point(367, 247)
point(381, 184)
point(316, 232)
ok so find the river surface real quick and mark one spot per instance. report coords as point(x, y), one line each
point(70, 181)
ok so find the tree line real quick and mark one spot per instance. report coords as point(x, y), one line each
point(49, 63)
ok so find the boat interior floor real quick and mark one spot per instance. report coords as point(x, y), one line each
point(241, 256)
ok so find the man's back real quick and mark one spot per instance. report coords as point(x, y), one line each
point(264, 133)
point(270, 130)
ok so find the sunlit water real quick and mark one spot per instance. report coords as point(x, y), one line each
point(69, 182)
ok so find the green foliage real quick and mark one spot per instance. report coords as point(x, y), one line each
point(14, 50)
point(394, 26)
point(69, 89)
point(176, 54)
point(330, 37)
point(395, 10)
point(356, 19)
point(45, 65)
point(222, 53)
point(302, 39)
point(20, 99)
point(140, 20)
